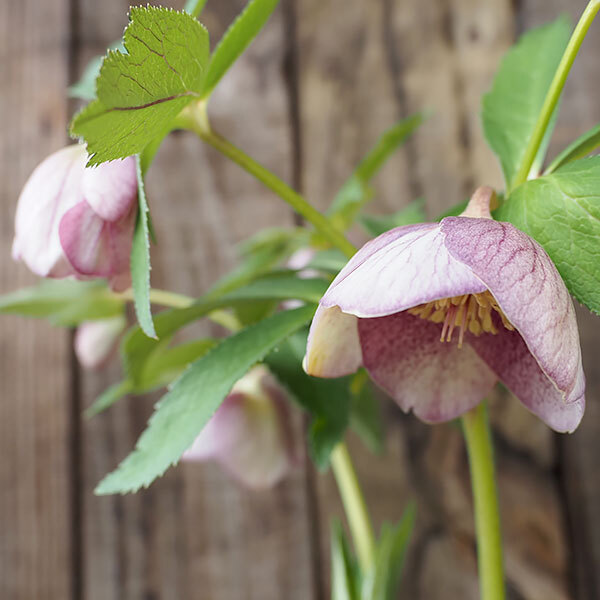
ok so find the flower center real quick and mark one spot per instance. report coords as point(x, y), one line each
point(469, 311)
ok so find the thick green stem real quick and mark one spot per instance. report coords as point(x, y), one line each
point(485, 496)
point(555, 90)
point(355, 506)
point(194, 118)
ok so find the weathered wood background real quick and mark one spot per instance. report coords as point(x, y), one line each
point(310, 96)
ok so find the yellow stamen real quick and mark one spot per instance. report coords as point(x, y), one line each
point(471, 312)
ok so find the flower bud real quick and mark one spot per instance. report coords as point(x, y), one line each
point(95, 341)
point(78, 221)
point(250, 435)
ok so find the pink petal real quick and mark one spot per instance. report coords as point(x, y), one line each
point(400, 269)
point(333, 348)
point(508, 356)
point(437, 380)
point(98, 248)
point(95, 341)
point(111, 188)
point(51, 190)
point(528, 289)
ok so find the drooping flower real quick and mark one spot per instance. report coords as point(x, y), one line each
point(250, 435)
point(438, 312)
point(95, 341)
point(78, 221)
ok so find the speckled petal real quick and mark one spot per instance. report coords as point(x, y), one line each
point(437, 380)
point(111, 188)
point(508, 356)
point(400, 269)
point(333, 349)
point(530, 292)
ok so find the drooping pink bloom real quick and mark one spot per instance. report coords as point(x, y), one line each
point(95, 341)
point(438, 312)
point(250, 435)
point(73, 220)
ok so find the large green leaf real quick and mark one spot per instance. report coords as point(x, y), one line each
point(582, 146)
point(236, 39)
point(64, 302)
point(195, 396)
point(562, 212)
point(141, 92)
point(511, 108)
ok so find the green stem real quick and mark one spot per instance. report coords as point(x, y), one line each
point(485, 496)
point(162, 298)
point(194, 118)
point(355, 506)
point(555, 90)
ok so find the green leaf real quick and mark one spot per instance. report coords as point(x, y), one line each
point(562, 212)
point(194, 7)
point(356, 192)
point(141, 92)
point(184, 411)
point(582, 146)
point(365, 414)
point(108, 397)
point(345, 574)
point(137, 347)
point(236, 39)
point(64, 302)
point(326, 400)
point(328, 261)
point(511, 108)
point(409, 215)
point(140, 260)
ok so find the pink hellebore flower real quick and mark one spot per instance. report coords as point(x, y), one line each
point(73, 220)
point(95, 341)
point(250, 435)
point(396, 305)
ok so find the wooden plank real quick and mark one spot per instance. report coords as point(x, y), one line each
point(195, 533)
point(35, 538)
point(357, 75)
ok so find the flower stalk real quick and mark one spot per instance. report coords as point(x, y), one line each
point(478, 439)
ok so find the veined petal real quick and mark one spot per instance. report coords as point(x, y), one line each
point(51, 190)
point(402, 268)
point(333, 349)
point(97, 248)
point(529, 290)
point(437, 380)
point(111, 188)
point(508, 356)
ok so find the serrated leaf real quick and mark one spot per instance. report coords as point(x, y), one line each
point(182, 413)
point(140, 260)
point(582, 146)
point(410, 214)
point(326, 400)
point(141, 92)
point(64, 302)
point(236, 39)
point(345, 574)
point(137, 347)
point(562, 212)
point(511, 108)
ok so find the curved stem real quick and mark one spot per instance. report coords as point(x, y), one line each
point(162, 298)
point(555, 90)
point(194, 118)
point(355, 506)
point(485, 496)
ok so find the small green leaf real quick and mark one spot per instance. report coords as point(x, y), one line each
point(141, 92)
point(562, 212)
point(108, 397)
point(511, 108)
point(582, 146)
point(140, 260)
point(328, 261)
point(64, 302)
point(345, 574)
point(236, 39)
point(195, 396)
point(409, 215)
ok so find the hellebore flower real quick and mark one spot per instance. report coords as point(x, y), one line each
point(73, 220)
point(250, 435)
point(398, 303)
point(95, 341)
